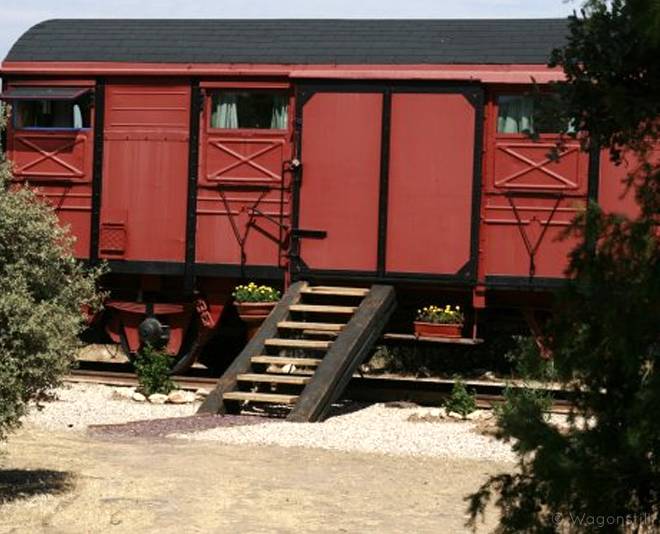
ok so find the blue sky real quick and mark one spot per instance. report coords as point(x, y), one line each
point(22, 14)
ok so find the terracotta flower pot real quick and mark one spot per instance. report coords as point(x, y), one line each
point(253, 314)
point(424, 329)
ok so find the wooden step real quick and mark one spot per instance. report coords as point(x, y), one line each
point(297, 343)
point(302, 325)
point(284, 360)
point(320, 333)
point(275, 398)
point(337, 291)
point(273, 379)
point(316, 308)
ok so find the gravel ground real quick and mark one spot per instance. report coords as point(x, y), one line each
point(80, 405)
point(158, 428)
point(374, 429)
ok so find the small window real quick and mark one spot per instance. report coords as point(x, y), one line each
point(256, 109)
point(519, 114)
point(55, 114)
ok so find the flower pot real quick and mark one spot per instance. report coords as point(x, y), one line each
point(424, 329)
point(253, 314)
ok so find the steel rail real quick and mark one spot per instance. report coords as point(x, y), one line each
point(390, 388)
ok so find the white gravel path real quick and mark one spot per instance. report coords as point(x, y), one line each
point(375, 429)
point(81, 405)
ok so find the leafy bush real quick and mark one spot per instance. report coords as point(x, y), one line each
point(437, 314)
point(254, 293)
point(527, 361)
point(43, 291)
point(461, 401)
point(153, 371)
point(602, 467)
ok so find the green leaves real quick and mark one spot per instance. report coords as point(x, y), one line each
point(153, 371)
point(461, 401)
point(602, 465)
point(42, 291)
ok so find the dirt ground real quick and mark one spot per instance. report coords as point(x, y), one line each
point(76, 483)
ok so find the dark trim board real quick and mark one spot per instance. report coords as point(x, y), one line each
point(473, 92)
point(261, 272)
point(383, 193)
point(594, 173)
point(477, 172)
point(191, 208)
point(386, 278)
point(524, 283)
point(167, 268)
point(97, 169)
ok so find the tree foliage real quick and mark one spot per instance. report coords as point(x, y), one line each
point(602, 471)
point(43, 290)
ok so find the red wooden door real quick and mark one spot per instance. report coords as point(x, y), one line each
point(430, 183)
point(243, 190)
point(389, 175)
point(145, 171)
point(341, 151)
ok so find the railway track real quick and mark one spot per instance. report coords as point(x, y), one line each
point(388, 388)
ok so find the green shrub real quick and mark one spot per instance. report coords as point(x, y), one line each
point(527, 362)
point(461, 400)
point(43, 290)
point(153, 371)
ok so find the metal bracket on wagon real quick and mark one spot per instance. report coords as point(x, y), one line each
point(309, 234)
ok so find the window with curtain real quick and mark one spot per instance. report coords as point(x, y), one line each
point(518, 114)
point(261, 110)
point(53, 114)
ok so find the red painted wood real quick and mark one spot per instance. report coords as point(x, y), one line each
point(52, 155)
point(520, 164)
point(59, 163)
point(243, 200)
point(430, 183)
point(523, 192)
point(73, 205)
point(511, 74)
point(614, 195)
point(145, 170)
point(246, 84)
point(340, 185)
point(504, 249)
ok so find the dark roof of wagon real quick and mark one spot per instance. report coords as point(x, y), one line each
point(387, 41)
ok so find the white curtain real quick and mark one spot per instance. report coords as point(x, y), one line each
point(225, 112)
point(77, 117)
point(280, 112)
point(516, 114)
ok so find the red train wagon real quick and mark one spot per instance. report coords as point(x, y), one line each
point(194, 154)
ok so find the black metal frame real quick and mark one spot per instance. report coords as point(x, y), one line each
point(474, 93)
point(384, 187)
point(593, 184)
point(193, 166)
point(97, 169)
point(171, 268)
point(524, 283)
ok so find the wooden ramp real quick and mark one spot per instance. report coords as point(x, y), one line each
point(306, 351)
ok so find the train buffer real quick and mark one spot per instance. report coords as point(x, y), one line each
point(306, 351)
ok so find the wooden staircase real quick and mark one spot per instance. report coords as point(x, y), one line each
point(306, 351)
